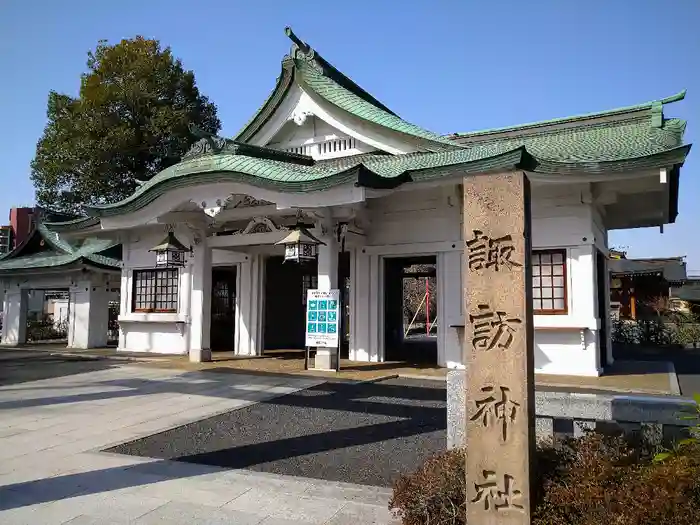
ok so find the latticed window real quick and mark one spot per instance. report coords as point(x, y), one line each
point(309, 282)
point(549, 281)
point(155, 290)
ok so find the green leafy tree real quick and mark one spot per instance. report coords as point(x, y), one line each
point(129, 122)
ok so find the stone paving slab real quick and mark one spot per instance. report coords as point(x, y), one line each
point(643, 377)
point(52, 472)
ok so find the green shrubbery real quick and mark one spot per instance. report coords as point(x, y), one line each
point(45, 329)
point(592, 480)
point(679, 329)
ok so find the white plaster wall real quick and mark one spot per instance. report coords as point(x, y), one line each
point(88, 314)
point(59, 309)
point(366, 298)
point(410, 217)
point(563, 352)
point(429, 222)
point(250, 306)
point(14, 326)
point(450, 286)
point(307, 137)
point(169, 333)
point(160, 338)
point(426, 222)
point(153, 332)
point(35, 303)
point(298, 101)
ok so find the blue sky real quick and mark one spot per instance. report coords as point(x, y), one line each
point(450, 65)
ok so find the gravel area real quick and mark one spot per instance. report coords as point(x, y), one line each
point(357, 433)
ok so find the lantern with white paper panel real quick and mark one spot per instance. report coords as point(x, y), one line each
point(300, 245)
point(170, 253)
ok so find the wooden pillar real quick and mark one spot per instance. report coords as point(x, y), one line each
point(633, 302)
point(498, 346)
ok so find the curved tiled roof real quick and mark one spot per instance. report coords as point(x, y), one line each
point(329, 90)
point(576, 119)
point(305, 66)
point(604, 141)
point(90, 252)
point(625, 139)
point(374, 171)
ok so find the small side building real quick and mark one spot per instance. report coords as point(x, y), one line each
point(88, 270)
point(637, 286)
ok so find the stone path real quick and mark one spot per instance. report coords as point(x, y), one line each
point(641, 377)
point(52, 470)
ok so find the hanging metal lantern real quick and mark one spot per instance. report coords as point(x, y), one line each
point(300, 245)
point(170, 253)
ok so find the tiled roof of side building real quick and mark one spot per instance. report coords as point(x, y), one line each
point(59, 253)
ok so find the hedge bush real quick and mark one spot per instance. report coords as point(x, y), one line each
point(592, 480)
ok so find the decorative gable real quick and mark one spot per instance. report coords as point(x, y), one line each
point(309, 86)
point(306, 134)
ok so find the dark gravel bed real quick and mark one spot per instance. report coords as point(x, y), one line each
point(357, 433)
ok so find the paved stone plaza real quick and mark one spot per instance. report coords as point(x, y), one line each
point(52, 470)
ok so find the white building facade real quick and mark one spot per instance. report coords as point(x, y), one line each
point(381, 194)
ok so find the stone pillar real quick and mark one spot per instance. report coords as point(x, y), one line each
point(200, 311)
point(326, 358)
point(449, 286)
point(124, 306)
point(14, 325)
point(498, 345)
point(584, 291)
point(88, 315)
point(365, 322)
point(250, 305)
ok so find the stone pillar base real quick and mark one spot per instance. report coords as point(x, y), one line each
point(326, 359)
point(200, 355)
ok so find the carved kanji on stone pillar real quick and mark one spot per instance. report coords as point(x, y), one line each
point(498, 348)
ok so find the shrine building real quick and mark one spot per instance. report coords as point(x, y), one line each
point(326, 173)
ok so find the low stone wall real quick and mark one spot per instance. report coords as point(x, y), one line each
point(565, 414)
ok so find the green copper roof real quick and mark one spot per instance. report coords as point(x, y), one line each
point(369, 170)
point(56, 252)
point(655, 106)
point(600, 142)
point(328, 89)
point(627, 139)
point(316, 74)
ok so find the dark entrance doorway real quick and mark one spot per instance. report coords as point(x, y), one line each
point(603, 300)
point(285, 302)
point(410, 309)
point(286, 286)
point(223, 307)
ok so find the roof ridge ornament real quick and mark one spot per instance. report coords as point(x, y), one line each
point(208, 143)
point(298, 42)
point(303, 51)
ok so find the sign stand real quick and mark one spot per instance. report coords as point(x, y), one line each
point(337, 361)
point(323, 322)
